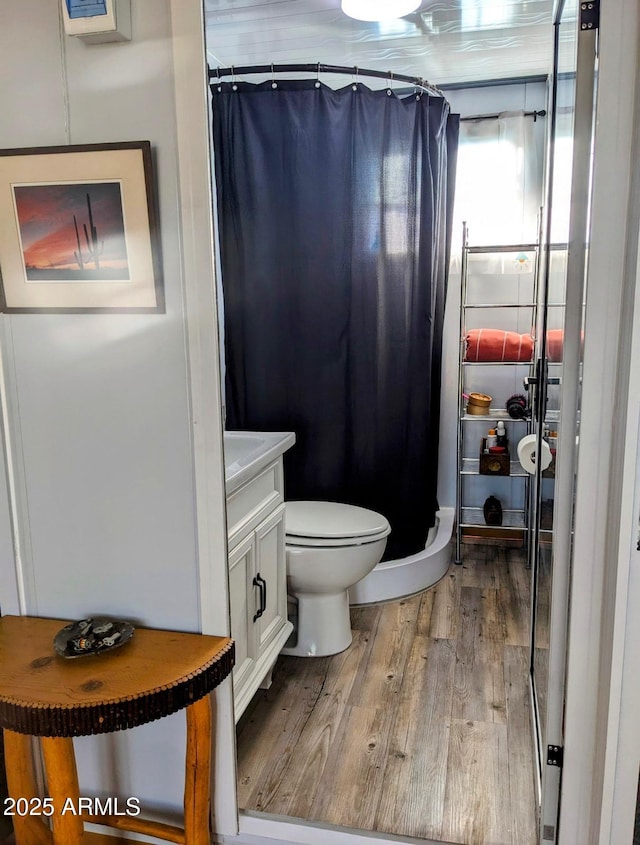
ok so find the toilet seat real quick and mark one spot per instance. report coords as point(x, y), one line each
point(329, 524)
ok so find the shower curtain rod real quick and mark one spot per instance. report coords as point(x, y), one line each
point(319, 68)
point(534, 114)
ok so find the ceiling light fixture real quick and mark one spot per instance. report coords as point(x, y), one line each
point(378, 10)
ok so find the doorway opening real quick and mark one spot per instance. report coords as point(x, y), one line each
point(358, 687)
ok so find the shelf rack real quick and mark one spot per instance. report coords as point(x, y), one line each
point(470, 517)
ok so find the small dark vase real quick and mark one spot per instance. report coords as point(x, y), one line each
point(492, 511)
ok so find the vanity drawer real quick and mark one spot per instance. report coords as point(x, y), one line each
point(249, 504)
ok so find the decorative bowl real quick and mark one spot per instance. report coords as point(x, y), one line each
point(92, 636)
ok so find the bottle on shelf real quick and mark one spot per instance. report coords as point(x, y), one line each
point(492, 438)
point(501, 434)
point(492, 510)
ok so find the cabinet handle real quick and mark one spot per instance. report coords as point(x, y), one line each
point(261, 584)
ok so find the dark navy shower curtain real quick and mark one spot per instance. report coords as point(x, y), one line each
point(334, 211)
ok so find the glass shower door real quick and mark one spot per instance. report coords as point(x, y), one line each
point(548, 371)
point(556, 387)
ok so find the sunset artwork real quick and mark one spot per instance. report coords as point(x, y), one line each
point(72, 232)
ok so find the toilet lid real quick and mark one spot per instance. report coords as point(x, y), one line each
point(334, 521)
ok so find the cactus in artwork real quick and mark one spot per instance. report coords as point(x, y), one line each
point(94, 246)
point(78, 254)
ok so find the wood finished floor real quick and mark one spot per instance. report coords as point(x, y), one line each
point(421, 728)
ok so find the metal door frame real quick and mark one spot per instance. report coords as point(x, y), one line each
point(566, 460)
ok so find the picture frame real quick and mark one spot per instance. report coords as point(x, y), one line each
point(78, 230)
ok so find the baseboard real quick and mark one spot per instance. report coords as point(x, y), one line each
point(265, 829)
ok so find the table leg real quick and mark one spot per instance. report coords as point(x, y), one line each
point(28, 829)
point(62, 784)
point(198, 773)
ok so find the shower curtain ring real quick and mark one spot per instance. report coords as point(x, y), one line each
point(390, 81)
point(354, 87)
point(219, 80)
point(317, 83)
point(274, 84)
point(234, 87)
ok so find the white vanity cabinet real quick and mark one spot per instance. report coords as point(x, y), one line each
point(257, 579)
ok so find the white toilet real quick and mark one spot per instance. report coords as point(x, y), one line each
point(330, 546)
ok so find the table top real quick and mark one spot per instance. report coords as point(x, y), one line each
point(153, 675)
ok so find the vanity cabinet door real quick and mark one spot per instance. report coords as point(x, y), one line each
point(257, 582)
point(271, 569)
point(241, 594)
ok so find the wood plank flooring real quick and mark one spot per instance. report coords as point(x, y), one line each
point(421, 728)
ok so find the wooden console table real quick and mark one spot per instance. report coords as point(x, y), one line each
point(43, 695)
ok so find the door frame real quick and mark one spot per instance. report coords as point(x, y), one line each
point(620, 783)
point(195, 198)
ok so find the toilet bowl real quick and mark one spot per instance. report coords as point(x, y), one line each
point(329, 547)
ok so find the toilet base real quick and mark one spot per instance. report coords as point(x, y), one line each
point(324, 625)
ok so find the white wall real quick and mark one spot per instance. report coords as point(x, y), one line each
point(103, 405)
point(99, 404)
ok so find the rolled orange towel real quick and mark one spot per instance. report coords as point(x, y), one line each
point(497, 345)
point(555, 340)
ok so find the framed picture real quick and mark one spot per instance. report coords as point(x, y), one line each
point(78, 230)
